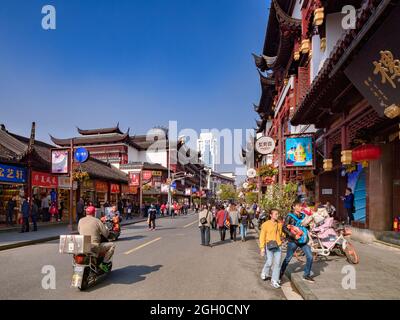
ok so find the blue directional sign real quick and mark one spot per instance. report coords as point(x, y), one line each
point(173, 185)
point(81, 155)
point(194, 189)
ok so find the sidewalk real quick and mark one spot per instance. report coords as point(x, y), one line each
point(376, 275)
point(14, 239)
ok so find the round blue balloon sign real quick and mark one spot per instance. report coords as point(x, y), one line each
point(81, 155)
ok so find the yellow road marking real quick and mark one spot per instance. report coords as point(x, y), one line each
point(188, 225)
point(142, 246)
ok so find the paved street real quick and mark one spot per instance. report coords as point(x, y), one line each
point(167, 263)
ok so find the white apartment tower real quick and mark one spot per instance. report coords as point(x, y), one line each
point(207, 145)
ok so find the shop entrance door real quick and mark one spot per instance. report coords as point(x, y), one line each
point(360, 198)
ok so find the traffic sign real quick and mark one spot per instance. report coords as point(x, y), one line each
point(81, 155)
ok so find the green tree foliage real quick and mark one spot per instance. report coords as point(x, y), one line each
point(251, 197)
point(280, 197)
point(227, 192)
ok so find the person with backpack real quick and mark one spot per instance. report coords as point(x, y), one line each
point(221, 218)
point(297, 236)
point(205, 217)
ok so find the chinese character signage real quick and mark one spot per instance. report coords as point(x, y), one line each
point(375, 71)
point(299, 152)
point(156, 173)
point(134, 179)
point(125, 189)
point(44, 180)
point(12, 174)
point(59, 161)
point(265, 145)
point(101, 186)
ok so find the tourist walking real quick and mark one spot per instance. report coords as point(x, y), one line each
point(10, 211)
point(270, 246)
point(244, 222)
point(45, 205)
point(205, 217)
point(25, 215)
point(297, 240)
point(234, 220)
point(222, 215)
point(151, 219)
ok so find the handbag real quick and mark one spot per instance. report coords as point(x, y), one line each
point(272, 245)
point(227, 223)
point(204, 219)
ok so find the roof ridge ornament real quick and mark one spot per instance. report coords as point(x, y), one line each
point(285, 19)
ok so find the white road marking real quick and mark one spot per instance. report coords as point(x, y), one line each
point(142, 246)
point(188, 225)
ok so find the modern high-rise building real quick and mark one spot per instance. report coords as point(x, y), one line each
point(207, 146)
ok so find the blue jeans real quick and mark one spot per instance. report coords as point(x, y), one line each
point(273, 257)
point(205, 235)
point(291, 248)
point(243, 230)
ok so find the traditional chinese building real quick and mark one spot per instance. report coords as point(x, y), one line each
point(27, 165)
point(106, 144)
point(340, 77)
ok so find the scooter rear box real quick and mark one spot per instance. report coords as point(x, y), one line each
point(75, 244)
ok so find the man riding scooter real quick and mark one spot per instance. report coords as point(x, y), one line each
point(93, 227)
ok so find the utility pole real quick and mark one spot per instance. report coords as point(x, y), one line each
point(71, 183)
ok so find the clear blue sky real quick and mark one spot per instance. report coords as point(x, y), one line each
point(139, 62)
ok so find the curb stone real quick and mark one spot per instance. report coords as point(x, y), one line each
point(47, 239)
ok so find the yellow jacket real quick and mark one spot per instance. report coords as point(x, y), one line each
point(270, 231)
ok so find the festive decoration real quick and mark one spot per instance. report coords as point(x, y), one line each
point(267, 171)
point(318, 16)
point(79, 175)
point(392, 111)
point(322, 45)
point(365, 153)
point(328, 164)
point(296, 55)
point(305, 46)
point(346, 157)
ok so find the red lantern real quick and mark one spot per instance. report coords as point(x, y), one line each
point(365, 153)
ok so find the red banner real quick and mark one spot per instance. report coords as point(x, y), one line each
point(134, 179)
point(147, 175)
point(45, 180)
point(115, 188)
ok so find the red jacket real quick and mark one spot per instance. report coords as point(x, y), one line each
point(220, 218)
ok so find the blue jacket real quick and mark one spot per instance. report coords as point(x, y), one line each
point(25, 209)
point(349, 201)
